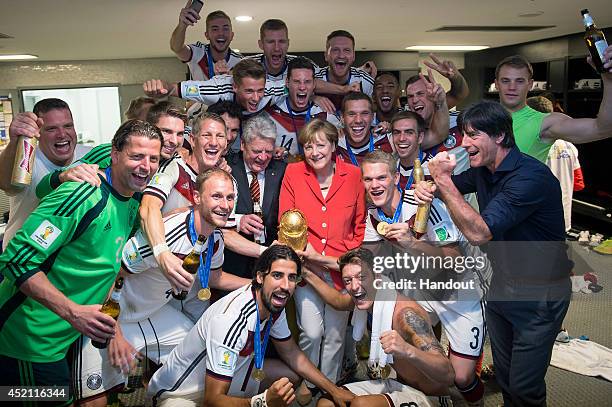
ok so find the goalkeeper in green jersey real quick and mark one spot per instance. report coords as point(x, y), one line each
point(60, 266)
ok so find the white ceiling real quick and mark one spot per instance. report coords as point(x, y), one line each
point(115, 29)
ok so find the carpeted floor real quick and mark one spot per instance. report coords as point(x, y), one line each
point(589, 314)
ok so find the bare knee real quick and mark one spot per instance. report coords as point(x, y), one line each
point(326, 403)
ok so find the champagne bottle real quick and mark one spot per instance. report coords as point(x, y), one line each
point(422, 214)
point(24, 161)
point(111, 307)
point(191, 263)
point(595, 41)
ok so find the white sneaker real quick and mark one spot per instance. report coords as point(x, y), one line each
point(596, 240)
point(583, 237)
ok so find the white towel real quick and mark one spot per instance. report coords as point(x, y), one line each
point(583, 357)
point(382, 320)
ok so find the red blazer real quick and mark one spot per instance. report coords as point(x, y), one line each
point(336, 224)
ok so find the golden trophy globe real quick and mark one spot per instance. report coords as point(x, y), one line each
point(293, 229)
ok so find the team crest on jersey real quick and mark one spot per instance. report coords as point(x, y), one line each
point(191, 91)
point(155, 180)
point(227, 359)
point(45, 234)
point(94, 381)
point(450, 141)
point(442, 234)
point(131, 255)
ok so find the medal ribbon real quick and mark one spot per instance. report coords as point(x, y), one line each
point(211, 63)
point(260, 348)
point(300, 149)
point(203, 269)
point(350, 151)
point(411, 178)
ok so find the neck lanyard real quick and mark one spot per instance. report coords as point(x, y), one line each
point(203, 269)
point(211, 63)
point(300, 148)
point(260, 348)
point(350, 151)
point(396, 215)
point(411, 178)
point(109, 178)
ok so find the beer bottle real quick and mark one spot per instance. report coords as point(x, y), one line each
point(111, 307)
point(422, 214)
point(259, 212)
point(595, 41)
point(191, 263)
point(24, 161)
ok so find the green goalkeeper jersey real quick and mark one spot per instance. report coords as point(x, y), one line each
point(76, 237)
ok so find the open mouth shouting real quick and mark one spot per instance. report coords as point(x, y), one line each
point(279, 299)
point(140, 180)
point(62, 147)
point(386, 103)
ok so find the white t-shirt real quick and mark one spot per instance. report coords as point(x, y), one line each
point(146, 289)
point(563, 161)
point(25, 201)
point(220, 344)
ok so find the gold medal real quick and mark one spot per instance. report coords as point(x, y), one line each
point(386, 371)
point(381, 228)
point(204, 294)
point(258, 374)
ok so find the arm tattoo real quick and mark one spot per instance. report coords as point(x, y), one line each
point(418, 331)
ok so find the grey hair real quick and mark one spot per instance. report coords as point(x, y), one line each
point(258, 126)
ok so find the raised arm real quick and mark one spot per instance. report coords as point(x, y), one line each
point(559, 126)
point(438, 128)
point(187, 17)
point(459, 88)
point(24, 124)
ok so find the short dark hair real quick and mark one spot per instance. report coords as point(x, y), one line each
point(340, 33)
point(136, 106)
point(272, 24)
point(490, 118)
point(45, 105)
point(515, 61)
point(541, 104)
point(300, 63)
point(404, 115)
point(135, 127)
point(248, 68)
point(165, 108)
point(269, 256)
point(217, 14)
point(360, 256)
point(351, 96)
point(414, 79)
point(232, 109)
point(387, 73)
point(206, 175)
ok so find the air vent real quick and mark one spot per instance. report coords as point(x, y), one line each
point(3, 36)
point(491, 28)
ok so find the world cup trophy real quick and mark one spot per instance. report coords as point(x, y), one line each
point(293, 229)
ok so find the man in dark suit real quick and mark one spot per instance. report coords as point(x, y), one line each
point(258, 178)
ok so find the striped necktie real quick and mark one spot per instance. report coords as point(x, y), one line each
point(254, 188)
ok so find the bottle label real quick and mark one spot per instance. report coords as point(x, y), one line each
point(601, 46)
point(587, 19)
point(198, 247)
